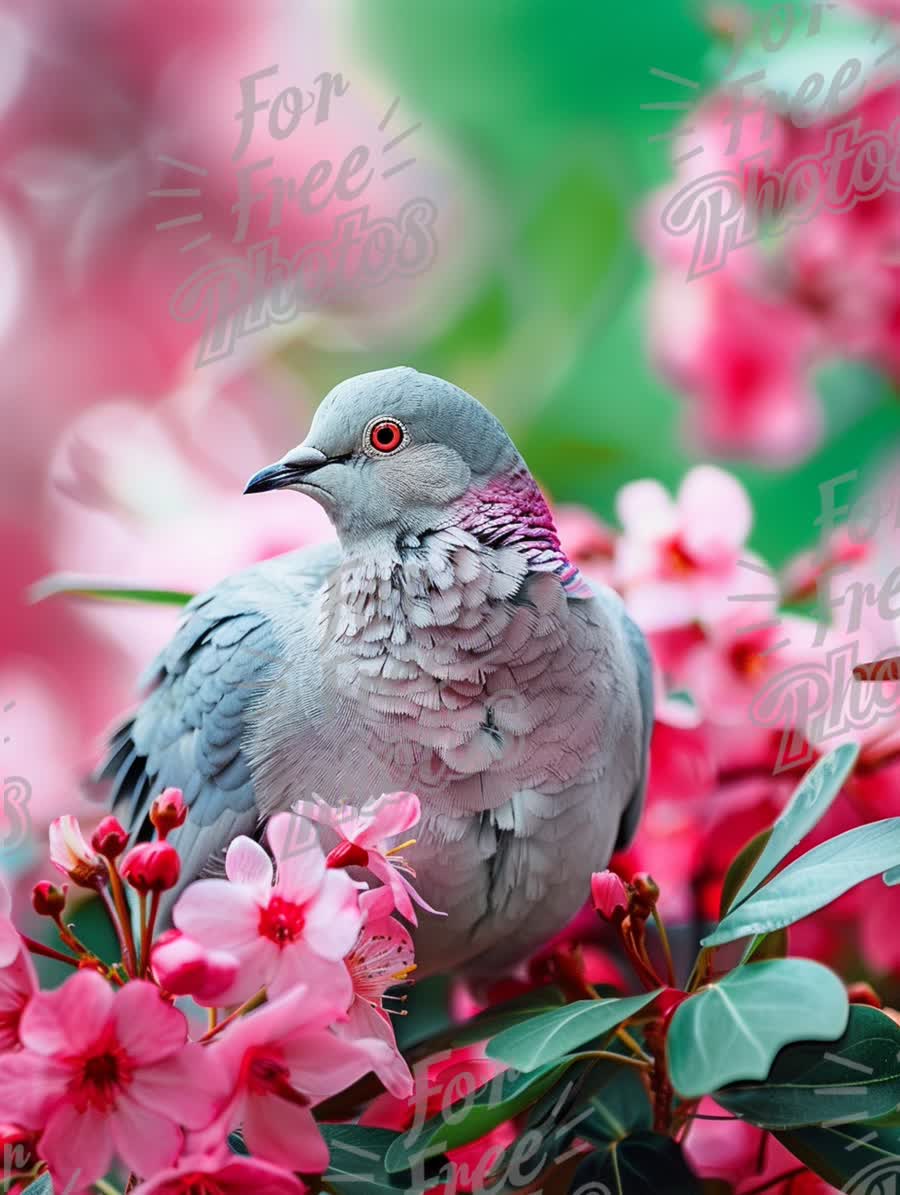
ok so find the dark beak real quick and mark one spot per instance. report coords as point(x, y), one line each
point(290, 470)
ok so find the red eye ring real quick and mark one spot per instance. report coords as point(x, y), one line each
point(385, 435)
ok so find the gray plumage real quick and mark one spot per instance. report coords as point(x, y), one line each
point(444, 646)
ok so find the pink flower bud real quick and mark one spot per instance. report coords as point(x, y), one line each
point(608, 894)
point(185, 968)
point(110, 838)
point(48, 900)
point(151, 867)
point(71, 854)
point(168, 811)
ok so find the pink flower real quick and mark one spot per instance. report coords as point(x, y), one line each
point(282, 1060)
point(71, 853)
point(222, 1175)
point(588, 542)
point(185, 968)
point(364, 834)
point(608, 894)
point(677, 559)
point(294, 930)
point(10, 942)
point(105, 1075)
point(382, 957)
point(18, 983)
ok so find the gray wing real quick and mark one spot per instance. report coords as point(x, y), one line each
point(632, 812)
point(189, 731)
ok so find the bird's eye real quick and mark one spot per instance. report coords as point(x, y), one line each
point(385, 435)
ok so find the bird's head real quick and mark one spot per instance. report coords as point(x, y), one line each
point(394, 451)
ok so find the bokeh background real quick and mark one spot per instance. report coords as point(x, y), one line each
point(554, 296)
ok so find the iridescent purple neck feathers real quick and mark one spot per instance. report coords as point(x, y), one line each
point(511, 511)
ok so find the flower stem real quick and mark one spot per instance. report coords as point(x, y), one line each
point(104, 1187)
point(620, 1059)
point(624, 1036)
point(147, 935)
point(48, 951)
point(247, 1006)
point(667, 949)
point(120, 902)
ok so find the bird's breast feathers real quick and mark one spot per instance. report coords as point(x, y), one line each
point(459, 673)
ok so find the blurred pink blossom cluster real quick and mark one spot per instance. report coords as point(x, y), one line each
point(778, 250)
point(751, 689)
point(105, 1069)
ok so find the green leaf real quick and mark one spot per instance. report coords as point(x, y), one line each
point(813, 881)
point(643, 1164)
point(494, 1103)
point(892, 877)
point(552, 1035)
point(854, 1157)
point(356, 1162)
point(41, 1186)
point(87, 587)
point(856, 1077)
point(741, 866)
point(809, 804)
point(493, 1021)
point(618, 1109)
point(734, 1028)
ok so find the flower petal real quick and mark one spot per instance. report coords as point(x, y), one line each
point(146, 1140)
point(301, 861)
point(77, 1146)
point(219, 914)
point(284, 1134)
point(147, 1027)
point(69, 1019)
point(191, 1086)
point(247, 863)
point(333, 919)
point(391, 814)
point(32, 1086)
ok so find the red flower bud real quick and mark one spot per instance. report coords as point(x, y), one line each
point(48, 900)
point(168, 811)
point(864, 993)
point(347, 854)
point(151, 867)
point(110, 838)
point(608, 894)
point(185, 968)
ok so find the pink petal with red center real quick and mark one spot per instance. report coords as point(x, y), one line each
point(147, 1027)
point(247, 863)
point(70, 1019)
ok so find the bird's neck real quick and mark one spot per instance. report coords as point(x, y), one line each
point(510, 511)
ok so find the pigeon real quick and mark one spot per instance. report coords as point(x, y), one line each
point(444, 645)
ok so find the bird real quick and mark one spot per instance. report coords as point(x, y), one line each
point(443, 644)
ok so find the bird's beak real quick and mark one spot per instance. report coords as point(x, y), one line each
point(290, 470)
